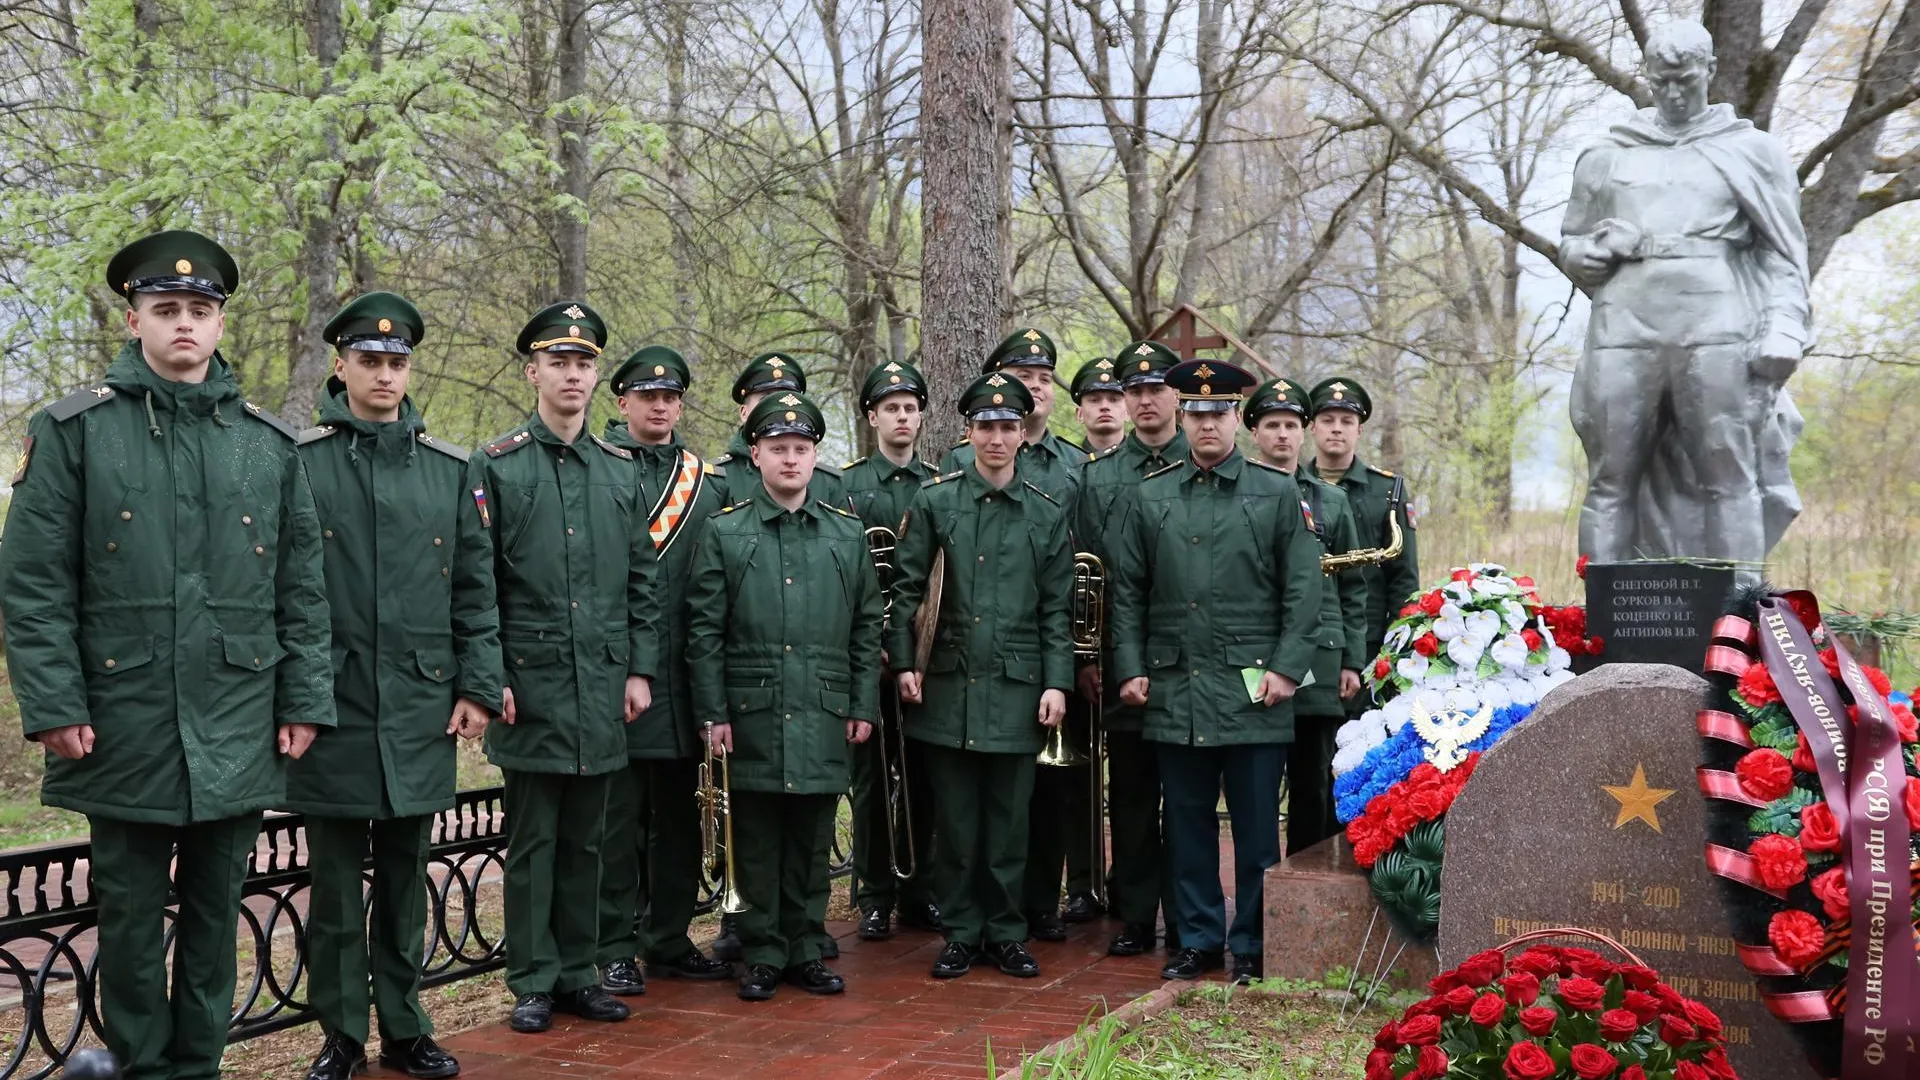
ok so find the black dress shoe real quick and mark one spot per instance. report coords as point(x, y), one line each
point(815, 977)
point(421, 1057)
point(727, 945)
point(533, 1012)
point(1047, 927)
point(829, 947)
point(1080, 908)
point(1192, 963)
point(339, 1059)
point(1013, 959)
point(693, 964)
point(1132, 940)
point(1245, 969)
point(921, 915)
point(759, 982)
point(623, 978)
point(592, 1003)
point(955, 960)
point(876, 925)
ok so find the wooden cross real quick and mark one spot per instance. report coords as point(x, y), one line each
point(1181, 334)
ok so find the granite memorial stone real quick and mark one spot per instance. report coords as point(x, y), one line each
point(1587, 815)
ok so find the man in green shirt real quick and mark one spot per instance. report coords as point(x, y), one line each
point(783, 643)
point(1276, 413)
point(166, 629)
point(1098, 403)
point(1001, 662)
point(894, 397)
point(1341, 407)
point(416, 650)
point(579, 636)
point(1139, 888)
point(1215, 602)
point(650, 883)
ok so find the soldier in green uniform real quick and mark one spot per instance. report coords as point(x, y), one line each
point(651, 855)
point(1340, 407)
point(1215, 602)
point(166, 633)
point(579, 636)
point(1276, 413)
point(1098, 403)
point(1053, 465)
point(1139, 889)
point(416, 653)
point(783, 643)
point(997, 677)
point(880, 486)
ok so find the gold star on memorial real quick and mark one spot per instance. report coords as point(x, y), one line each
point(1637, 800)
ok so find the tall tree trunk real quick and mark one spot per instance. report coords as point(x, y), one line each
point(576, 181)
point(680, 184)
point(966, 125)
point(320, 242)
point(1193, 258)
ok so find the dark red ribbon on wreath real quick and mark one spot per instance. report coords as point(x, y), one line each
point(1863, 776)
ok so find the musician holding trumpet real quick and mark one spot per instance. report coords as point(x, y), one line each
point(991, 668)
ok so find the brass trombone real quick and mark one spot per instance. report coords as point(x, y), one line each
point(1088, 625)
point(716, 826)
point(881, 543)
point(1396, 540)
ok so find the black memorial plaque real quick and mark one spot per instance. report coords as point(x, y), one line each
point(1655, 612)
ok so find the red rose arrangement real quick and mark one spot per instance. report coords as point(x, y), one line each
point(1569, 627)
point(1551, 1013)
point(1424, 795)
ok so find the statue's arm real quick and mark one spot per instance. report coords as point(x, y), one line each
point(1780, 260)
point(1582, 254)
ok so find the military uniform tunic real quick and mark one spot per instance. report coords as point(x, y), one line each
point(579, 614)
point(410, 588)
point(1002, 640)
point(161, 580)
point(1216, 579)
point(650, 884)
point(783, 642)
point(1339, 643)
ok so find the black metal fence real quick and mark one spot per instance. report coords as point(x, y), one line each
point(48, 999)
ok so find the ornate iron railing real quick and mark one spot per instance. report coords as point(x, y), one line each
point(48, 999)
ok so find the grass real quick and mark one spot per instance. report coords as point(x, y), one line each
point(1269, 1031)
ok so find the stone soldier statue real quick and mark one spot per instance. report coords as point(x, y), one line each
point(1684, 226)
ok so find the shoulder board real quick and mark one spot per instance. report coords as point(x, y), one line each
point(1031, 487)
point(722, 459)
point(1165, 469)
point(271, 420)
point(1381, 471)
point(1096, 455)
point(1269, 468)
point(447, 448)
point(507, 444)
point(954, 475)
point(841, 510)
point(828, 469)
point(735, 506)
point(961, 443)
point(79, 401)
point(854, 462)
point(315, 434)
point(616, 451)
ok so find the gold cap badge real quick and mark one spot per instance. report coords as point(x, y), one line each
point(891, 366)
point(789, 400)
point(791, 416)
point(999, 398)
point(573, 331)
point(775, 361)
point(573, 312)
point(1144, 350)
point(1033, 348)
point(183, 267)
point(1203, 371)
point(1032, 335)
point(1206, 388)
point(659, 369)
point(996, 379)
point(1145, 366)
point(386, 325)
point(893, 378)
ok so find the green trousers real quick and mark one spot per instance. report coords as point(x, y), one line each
point(157, 1036)
point(980, 841)
point(781, 856)
point(875, 886)
point(1140, 888)
point(344, 954)
point(1310, 817)
point(650, 871)
point(555, 822)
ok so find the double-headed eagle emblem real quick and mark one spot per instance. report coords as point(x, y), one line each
point(1448, 733)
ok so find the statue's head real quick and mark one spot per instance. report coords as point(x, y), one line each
point(1679, 65)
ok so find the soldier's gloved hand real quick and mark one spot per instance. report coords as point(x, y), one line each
point(858, 731)
point(1134, 691)
point(910, 687)
point(1275, 688)
point(1053, 708)
point(1349, 682)
point(72, 742)
point(507, 713)
point(469, 719)
point(1088, 680)
point(295, 738)
point(639, 696)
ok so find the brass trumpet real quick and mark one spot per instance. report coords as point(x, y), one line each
point(902, 859)
point(1347, 560)
point(716, 826)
